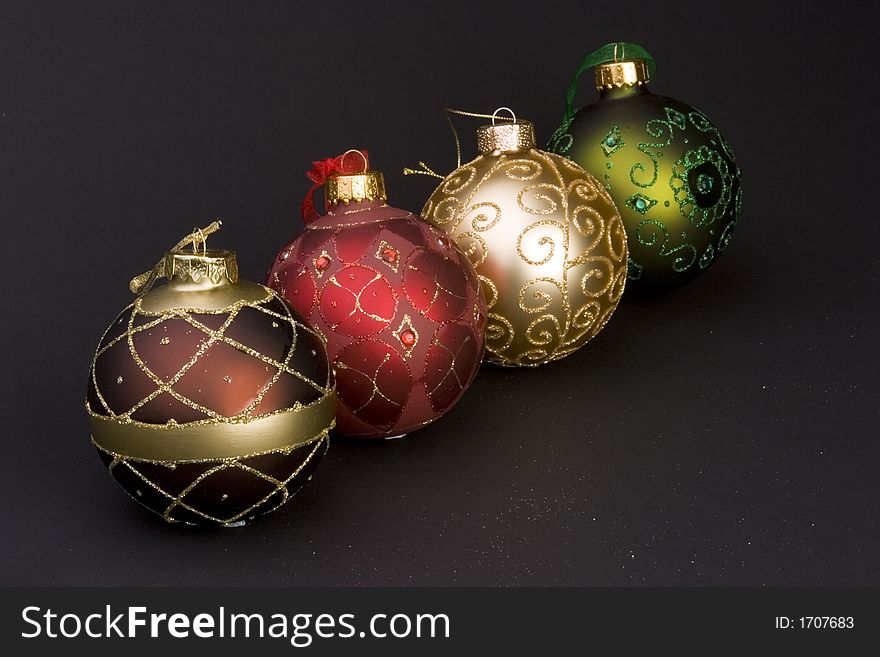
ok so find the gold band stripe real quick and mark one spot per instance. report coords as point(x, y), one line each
point(216, 440)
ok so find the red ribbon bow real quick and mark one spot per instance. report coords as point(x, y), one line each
point(346, 163)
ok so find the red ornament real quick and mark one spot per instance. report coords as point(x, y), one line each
point(399, 306)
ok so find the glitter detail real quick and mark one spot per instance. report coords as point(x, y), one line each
point(707, 257)
point(634, 270)
point(407, 335)
point(388, 254)
point(640, 203)
point(321, 263)
point(352, 296)
point(213, 336)
point(676, 118)
point(173, 502)
point(702, 184)
point(612, 142)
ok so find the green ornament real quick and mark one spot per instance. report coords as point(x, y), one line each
point(671, 173)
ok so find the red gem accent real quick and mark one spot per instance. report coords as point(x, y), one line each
point(407, 337)
point(322, 262)
point(389, 255)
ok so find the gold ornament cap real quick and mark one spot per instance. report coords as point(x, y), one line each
point(199, 278)
point(632, 73)
point(505, 137)
point(369, 185)
point(200, 270)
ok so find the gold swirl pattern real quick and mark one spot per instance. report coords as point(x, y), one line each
point(543, 194)
point(548, 245)
point(446, 210)
point(474, 247)
point(521, 169)
point(483, 221)
point(462, 178)
point(535, 246)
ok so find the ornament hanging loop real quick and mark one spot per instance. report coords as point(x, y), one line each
point(363, 157)
point(500, 109)
point(142, 283)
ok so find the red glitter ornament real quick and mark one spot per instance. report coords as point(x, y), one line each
point(399, 305)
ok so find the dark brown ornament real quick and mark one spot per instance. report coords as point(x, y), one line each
point(209, 399)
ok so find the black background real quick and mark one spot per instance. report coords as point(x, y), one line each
point(722, 434)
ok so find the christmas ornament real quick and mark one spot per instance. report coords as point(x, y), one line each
point(666, 165)
point(398, 304)
point(546, 241)
point(209, 400)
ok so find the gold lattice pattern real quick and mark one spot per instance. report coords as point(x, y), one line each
point(266, 498)
point(212, 336)
point(221, 490)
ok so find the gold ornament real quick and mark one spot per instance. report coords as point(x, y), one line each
point(545, 238)
point(208, 399)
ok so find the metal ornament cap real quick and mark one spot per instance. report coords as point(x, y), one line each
point(201, 270)
point(505, 137)
point(345, 188)
point(204, 280)
point(632, 73)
